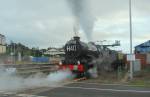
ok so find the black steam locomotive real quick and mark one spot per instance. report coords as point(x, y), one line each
point(82, 57)
point(79, 56)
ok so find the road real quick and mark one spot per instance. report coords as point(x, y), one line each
point(81, 89)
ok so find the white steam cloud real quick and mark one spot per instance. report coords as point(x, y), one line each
point(9, 81)
point(83, 16)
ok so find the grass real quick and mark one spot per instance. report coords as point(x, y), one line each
point(141, 79)
point(106, 78)
point(139, 83)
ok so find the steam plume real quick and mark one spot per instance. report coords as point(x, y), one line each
point(83, 16)
point(9, 81)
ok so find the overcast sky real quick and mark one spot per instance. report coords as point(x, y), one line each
point(45, 23)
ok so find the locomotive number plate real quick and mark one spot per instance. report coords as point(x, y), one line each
point(71, 48)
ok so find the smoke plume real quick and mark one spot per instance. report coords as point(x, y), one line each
point(9, 81)
point(83, 16)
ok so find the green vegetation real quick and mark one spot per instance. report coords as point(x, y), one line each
point(16, 48)
point(142, 78)
point(139, 83)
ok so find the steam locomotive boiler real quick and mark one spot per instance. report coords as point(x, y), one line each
point(79, 56)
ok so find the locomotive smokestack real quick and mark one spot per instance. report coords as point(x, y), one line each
point(77, 38)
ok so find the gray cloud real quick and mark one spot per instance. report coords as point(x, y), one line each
point(47, 23)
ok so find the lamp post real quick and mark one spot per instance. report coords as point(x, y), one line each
point(130, 19)
point(14, 53)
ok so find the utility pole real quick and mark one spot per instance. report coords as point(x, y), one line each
point(14, 54)
point(131, 53)
point(11, 53)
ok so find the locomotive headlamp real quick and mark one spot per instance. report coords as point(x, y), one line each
point(78, 62)
point(60, 63)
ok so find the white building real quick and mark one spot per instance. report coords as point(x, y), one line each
point(54, 51)
point(2, 44)
point(56, 55)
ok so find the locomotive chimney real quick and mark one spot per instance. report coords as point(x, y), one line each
point(77, 38)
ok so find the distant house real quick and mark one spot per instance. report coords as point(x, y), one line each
point(143, 48)
point(2, 44)
point(54, 51)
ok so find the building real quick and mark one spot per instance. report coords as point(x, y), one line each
point(2, 44)
point(143, 48)
point(54, 52)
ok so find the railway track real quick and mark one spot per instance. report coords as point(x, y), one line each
point(30, 68)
